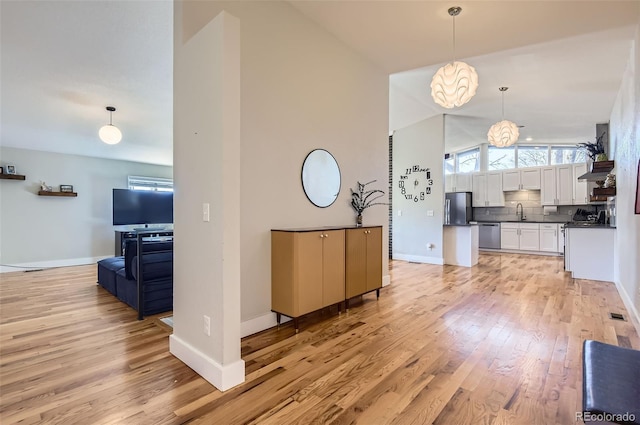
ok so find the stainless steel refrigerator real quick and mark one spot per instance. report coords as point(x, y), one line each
point(457, 208)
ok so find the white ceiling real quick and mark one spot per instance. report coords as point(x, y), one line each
point(63, 62)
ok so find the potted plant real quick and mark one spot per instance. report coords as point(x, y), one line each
point(595, 150)
point(362, 200)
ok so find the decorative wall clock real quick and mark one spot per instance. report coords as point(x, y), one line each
point(415, 183)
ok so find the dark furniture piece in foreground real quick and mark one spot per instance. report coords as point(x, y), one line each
point(143, 277)
point(610, 384)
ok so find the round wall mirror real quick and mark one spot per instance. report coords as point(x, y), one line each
point(321, 178)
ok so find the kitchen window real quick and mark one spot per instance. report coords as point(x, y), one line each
point(501, 158)
point(567, 155)
point(532, 156)
point(468, 161)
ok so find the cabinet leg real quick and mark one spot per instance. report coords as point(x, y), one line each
point(295, 324)
point(346, 305)
point(378, 293)
point(339, 308)
point(278, 317)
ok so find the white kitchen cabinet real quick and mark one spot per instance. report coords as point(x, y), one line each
point(487, 189)
point(581, 191)
point(460, 182)
point(520, 236)
point(557, 183)
point(549, 236)
point(521, 179)
point(590, 253)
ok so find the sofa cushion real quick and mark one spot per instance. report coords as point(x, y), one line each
point(156, 265)
point(107, 269)
point(131, 251)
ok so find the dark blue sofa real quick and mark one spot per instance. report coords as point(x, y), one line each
point(154, 286)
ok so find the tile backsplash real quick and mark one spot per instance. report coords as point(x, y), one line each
point(533, 210)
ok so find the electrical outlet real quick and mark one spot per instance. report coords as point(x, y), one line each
point(570, 212)
point(207, 325)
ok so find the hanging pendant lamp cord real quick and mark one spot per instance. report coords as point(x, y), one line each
point(110, 118)
point(502, 106)
point(454, 38)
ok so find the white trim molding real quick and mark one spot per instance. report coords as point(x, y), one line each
point(631, 308)
point(419, 259)
point(260, 323)
point(22, 267)
point(386, 280)
point(221, 377)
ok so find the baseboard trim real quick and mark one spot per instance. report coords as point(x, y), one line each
point(260, 323)
point(386, 280)
point(419, 259)
point(21, 267)
point(631, 308)
point(221, 377)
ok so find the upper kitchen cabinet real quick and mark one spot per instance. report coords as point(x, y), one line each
point(581, 191)
point(460, 182)
point(521, 179)
point(557, 185)
point(487, 189)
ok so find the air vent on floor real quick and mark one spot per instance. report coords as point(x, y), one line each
point(616, 316)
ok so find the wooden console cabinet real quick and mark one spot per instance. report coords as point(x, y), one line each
point(307, 271)
point(363, 262)
point(319, 267)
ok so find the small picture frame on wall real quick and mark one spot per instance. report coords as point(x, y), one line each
point(66, 188)
point(11, 169)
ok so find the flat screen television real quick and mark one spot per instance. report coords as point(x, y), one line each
point(142, 207)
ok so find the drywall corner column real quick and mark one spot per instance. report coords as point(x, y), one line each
point(417, 223)
point(206, 333)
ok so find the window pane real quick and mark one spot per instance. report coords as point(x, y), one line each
point(468, 161)
point(449, 165)
point(150, 183)
point(501, 158)
point(532, 156)
point(567, 155)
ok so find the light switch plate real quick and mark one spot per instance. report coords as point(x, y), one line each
point(430, 213)
point(205, 212)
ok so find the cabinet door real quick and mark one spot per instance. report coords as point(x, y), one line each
point(356, 262)
point(374, 258)
point(479, 183)
point(548, 186)
point(495, 195)
point(509, 238)
point(530, 179)
point(510, 180)
point(549, 237)
point(309, 269)
point(449, 184)
point(463, 182)
point(564, 186)
point(333, 269)
point(581, 191)
point(529, 237)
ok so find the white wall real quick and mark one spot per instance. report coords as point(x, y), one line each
point(413, 229)
point(51, 231)
point(301, 89)
point(625, 144)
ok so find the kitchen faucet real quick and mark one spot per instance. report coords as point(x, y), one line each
point(521, 215)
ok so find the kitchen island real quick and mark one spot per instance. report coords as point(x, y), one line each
point(589, 251)
point(460, 244)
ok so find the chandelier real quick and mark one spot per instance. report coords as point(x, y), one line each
point(503, 133)
point(455, 83)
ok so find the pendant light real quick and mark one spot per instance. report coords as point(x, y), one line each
point(503, 133)
point(455, 83)
point(110, 134)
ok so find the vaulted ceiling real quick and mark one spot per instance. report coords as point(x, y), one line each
point(63, 62)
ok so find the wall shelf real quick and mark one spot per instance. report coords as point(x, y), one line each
point(46, 193)
point(12, 176)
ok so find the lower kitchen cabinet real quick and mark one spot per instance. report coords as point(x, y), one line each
point(549, 236)
point(520, 236)
point(363, 261)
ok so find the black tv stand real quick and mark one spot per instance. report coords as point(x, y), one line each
point(122, 235)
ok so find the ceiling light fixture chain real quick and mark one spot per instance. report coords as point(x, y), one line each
point(455, 83)
point(503, 133)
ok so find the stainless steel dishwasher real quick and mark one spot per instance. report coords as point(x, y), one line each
point(489, 235)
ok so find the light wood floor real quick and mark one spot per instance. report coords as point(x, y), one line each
point(496, 344)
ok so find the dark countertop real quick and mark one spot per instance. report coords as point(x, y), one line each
point(460, 225)
point(523, 221)
point(579, 225)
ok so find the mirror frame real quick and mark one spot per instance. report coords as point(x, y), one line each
point(306, 189)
